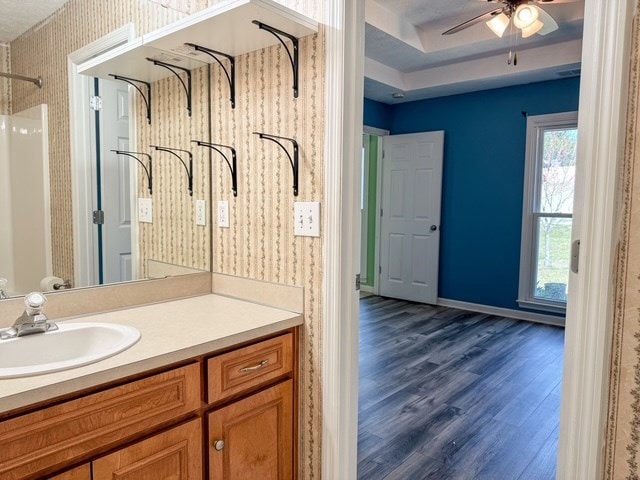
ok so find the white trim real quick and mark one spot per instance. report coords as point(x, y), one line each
point(528, 247)
point(601, 127)
point(378, 132)
point(376, 265)
point(547, 306)
point(344, 95)
point(80, 132)
point(503, 312)
point(364, 216)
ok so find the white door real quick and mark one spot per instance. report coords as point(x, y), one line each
point(115, 182)
point(410, 221)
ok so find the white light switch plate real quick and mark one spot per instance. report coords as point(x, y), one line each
point(145, 210)
point(223, 214)
point(307, 219)
point(201, 212)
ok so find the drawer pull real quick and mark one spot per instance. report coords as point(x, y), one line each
point(257, 366)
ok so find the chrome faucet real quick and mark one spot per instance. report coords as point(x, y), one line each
point(32, 319)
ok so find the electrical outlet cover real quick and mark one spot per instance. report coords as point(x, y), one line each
point(223, 213)
point(307, 219)
point(145, 210)
point(201, 213)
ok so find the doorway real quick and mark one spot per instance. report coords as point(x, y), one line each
point(111, 180)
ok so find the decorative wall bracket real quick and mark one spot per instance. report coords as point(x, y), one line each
point(293, 161)
point(293, 58)
point(148, 171)
point(133, 82)
point(231, 73)
point(188, 169)
point(173, 69)
point(232, 165)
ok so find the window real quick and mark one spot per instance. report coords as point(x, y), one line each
point(547, 211)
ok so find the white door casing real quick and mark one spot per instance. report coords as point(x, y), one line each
point(115, 182)
point(410, 220)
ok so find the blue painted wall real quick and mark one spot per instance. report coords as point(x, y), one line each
point(485, 135)
point(377, 114)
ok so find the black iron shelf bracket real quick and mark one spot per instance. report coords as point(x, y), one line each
point(188, 169)
point(173, 69)
point(233, 168)
point(293, 58)
point(293, 161)
point(148, 171)
point(134, 83)
point(231, 73)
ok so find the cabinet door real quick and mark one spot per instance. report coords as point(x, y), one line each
point(82, 472)
point(258, 437)
point(173, 455)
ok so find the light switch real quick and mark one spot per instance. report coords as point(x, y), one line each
point(307, 219)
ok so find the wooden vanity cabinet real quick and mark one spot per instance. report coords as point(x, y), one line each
point(154, 427)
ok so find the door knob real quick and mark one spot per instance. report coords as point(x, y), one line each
point(433, 228)
point(218, 445)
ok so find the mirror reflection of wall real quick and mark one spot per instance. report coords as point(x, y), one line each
point(39, 46)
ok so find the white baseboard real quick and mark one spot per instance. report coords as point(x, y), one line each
point(503, 312)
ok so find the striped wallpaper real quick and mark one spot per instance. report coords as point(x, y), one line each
point(259, 243)
point(5, 84)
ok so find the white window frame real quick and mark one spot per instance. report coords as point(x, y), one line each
point(536, 126)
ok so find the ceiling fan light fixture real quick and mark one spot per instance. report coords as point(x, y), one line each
point(498, 24)
point(525, 16)
point(532, 29)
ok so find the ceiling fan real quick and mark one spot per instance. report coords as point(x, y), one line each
point(527, 15)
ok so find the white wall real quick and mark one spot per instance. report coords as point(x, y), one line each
point(6, 237)
point(26, 216)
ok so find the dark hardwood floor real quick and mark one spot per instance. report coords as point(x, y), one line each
point(449, 394)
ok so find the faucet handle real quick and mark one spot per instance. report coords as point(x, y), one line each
point(34, 302)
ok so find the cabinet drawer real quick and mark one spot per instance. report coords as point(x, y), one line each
point(243, 369)
point(44, 440)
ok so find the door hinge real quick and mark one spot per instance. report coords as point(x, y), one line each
point(98, 217)
point(95, 103)
point(575, 255)
point(379, 269)
point(357, 281)
point(381, 212)
point(383, 154)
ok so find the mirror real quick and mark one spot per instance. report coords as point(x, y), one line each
point(49, 188)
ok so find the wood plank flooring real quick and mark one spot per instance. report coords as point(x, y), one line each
point(447, 394)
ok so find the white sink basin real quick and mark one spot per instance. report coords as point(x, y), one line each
point(72, 345)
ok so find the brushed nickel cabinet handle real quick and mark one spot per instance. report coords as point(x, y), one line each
point(257, 366)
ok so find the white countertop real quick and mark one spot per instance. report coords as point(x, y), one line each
point(170, 332)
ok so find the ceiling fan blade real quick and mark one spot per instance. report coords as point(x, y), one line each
point(473, 21)
point(550, 25)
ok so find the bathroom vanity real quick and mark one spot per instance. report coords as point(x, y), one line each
point(209, 391)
